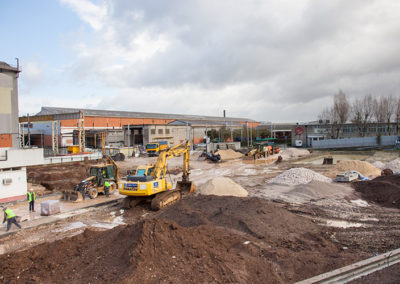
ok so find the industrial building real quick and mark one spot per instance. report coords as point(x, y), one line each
point(13, 159)
point(58, 128)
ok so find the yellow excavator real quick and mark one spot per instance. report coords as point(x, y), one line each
point(150, 182)
point(94, 184)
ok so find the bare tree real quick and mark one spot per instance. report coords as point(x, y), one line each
point(397, 115)
point(327, 117)
point(378, 110)
point(361, 113)
point(341, 110)
point(389, 109)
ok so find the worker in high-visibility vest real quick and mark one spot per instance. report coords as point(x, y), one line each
point(31, 197)
point(10, 216)
point(107, 186)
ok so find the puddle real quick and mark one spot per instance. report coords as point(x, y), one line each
point(104, 225)
point(72, 226)
point(342, 224)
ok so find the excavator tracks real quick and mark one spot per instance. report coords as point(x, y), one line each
point(165, 198)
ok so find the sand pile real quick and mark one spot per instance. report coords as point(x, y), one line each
point(222, 186)
point(229, 154)
point(201, 239)
point(293, 153)
point(384, 190)
point(365, 168)
point(296, 176)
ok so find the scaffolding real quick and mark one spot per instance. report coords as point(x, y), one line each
point(81, 132)
point(54, 136)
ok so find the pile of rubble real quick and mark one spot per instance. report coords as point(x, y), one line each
point(297, 176)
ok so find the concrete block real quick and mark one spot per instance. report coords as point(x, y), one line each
point(50, 207)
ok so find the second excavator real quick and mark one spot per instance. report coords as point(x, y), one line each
point(150, 182)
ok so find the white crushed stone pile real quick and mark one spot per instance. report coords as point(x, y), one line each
point(297, 176)
point(222, 187)
point(293, 153)
point(393, 165)
point(379, 165)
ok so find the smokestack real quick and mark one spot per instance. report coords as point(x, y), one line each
point(224, 113)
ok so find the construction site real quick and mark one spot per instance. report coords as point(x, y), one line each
point(249, 220)
point(200, 142)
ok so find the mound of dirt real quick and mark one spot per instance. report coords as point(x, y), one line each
point(58, 177)
point(293, 153)
point(296, 176)
point(384, 190)
point(199, 239)
point(365, 168)
point(229, 154)
point(222, 186)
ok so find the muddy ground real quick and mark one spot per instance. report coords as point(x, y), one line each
point(207, 239)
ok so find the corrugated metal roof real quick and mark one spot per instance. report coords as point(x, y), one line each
point(113, 113)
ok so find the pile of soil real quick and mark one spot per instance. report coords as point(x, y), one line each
point(199, 239)
point(58, 177)
point(365, 168)
point(384, 190)
point(229, 154)
point(222, 186)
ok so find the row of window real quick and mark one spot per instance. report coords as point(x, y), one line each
point(160, 131)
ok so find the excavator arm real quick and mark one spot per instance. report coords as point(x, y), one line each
point(160, 167)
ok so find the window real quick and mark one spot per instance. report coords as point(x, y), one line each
point(160, 131)
point(166, 131)
point(153, 131)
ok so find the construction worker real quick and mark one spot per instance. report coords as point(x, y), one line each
point(31, 197)
point(107, 186)
point(10, 216)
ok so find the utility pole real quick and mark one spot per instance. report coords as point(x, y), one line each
point(129, 140)
point(231, 133)
point(247, 133)
point(29, 132)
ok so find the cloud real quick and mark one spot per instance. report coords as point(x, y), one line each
point(32, 74)
point(255, 58)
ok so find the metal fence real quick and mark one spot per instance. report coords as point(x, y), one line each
point(354, 142)
point(72, 158)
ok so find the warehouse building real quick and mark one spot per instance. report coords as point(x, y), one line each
point(58, 128)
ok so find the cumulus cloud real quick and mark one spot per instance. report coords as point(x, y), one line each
point(267, 60)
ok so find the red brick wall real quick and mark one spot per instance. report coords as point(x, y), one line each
point(96, 121)
point(5, 140)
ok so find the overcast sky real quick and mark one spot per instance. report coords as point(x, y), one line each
point(266, 60)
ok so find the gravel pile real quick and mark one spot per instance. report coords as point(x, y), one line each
point(379, 165)
point(393, 165)
point(229, 154)
point(297, 176)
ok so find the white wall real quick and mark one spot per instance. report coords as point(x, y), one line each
point(18, 185)
point(11, 158)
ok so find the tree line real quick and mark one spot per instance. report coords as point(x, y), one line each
point(384, 110)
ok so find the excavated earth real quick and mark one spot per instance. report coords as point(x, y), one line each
point(198, 239)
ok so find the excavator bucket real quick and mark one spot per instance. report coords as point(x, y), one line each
point(186, 186)
point(72, 195)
